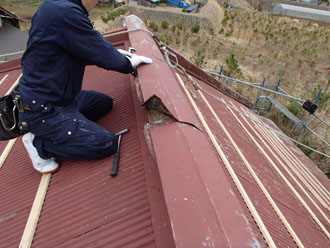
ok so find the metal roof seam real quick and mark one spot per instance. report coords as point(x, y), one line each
point(163, 232)
point(279, 172)
point(246, 198)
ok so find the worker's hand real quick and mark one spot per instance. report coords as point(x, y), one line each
point(135, 60)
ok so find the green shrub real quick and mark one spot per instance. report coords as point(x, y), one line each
point(168, 40)
point(173, 28)
point(195, 42)
point(154, 26)
point(181, 25)
point(224, 21)
point(233, 65)
point(199, 58)
point(164, 24)
point(229, 33)
point(195, 28)
point(104, 19)
point(113, 14)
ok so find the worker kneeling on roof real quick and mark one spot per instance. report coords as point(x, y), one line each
point(58, 116)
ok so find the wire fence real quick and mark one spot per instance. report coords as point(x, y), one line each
point(270, 100)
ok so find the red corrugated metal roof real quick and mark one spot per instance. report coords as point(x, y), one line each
point(84, 206)
point(175, 188)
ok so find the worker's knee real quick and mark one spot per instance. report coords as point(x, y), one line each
point(99, 147)
point(96, 144)
point(107, 148)
point(94, 104)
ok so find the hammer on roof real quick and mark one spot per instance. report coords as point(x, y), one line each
point(114, 170)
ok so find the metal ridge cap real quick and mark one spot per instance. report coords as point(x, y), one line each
point(199, 197)
point(157, 79)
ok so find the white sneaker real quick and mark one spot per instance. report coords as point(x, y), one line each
point(40, 164)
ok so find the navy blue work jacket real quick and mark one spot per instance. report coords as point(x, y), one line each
point(61, 43)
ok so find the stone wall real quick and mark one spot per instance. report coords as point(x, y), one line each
point(105, 2)
point(158, 15)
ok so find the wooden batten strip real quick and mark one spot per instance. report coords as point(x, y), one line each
point(281, 151)
point(254, 175)
point(33, 219)
point(231, 171)
point(6, 151)
point(14, 85)
point(11, 143)
point(276, 148)
point(278, 170)
point(314, 182)
point(3, 79)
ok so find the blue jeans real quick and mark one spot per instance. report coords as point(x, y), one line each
point(69, 132)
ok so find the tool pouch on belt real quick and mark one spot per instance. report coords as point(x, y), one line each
point(9, 106)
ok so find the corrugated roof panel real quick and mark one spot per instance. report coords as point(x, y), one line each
point(82, 198)
point(306, 228)
point(276, 228)
point(85, 199)
point(18, 185)
point(288, 166)
point(262, 205)
point(274, 184)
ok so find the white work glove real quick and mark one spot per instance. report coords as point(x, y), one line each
point(135, 60)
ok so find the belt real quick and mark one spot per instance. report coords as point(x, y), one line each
point(19, 102)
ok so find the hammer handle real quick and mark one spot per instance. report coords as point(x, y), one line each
point(114, 170)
